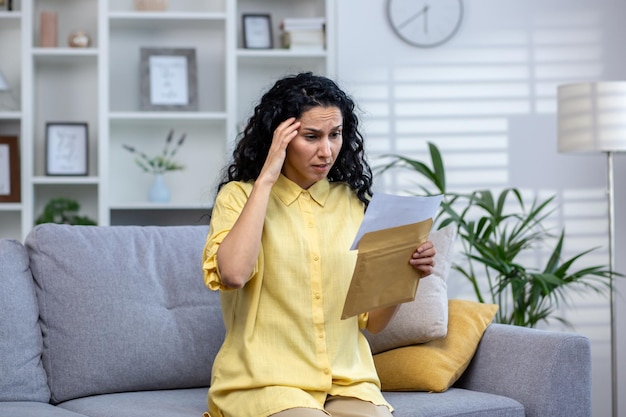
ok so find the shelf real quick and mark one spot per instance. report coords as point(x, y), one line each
point(10, 115)
point(65, 180)
point(157, 206)
point(282, 53)
point(10, 206)
point(13, 15)
point(145, 115)
point(62, 55)
point(142, 16)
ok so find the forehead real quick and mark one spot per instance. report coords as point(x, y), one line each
point(322, 115)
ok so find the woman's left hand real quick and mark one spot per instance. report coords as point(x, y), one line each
point(423, 259)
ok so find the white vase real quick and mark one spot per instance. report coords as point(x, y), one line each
point(159, 193)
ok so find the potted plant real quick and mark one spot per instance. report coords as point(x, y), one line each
point(495, 232)
point(63, 210)
point(159, 165)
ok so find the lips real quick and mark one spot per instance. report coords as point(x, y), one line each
point(321, 167)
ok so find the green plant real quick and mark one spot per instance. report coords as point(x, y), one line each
point(63, 211)
point(496, 232)
point(162, 162)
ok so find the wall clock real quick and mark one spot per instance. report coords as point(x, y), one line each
point(425, 23)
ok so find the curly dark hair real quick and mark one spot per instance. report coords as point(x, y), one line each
point(291, 97)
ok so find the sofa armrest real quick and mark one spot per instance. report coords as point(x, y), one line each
point(548, 372)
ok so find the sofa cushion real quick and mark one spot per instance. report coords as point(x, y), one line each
point(169, 403)
point(33, 409)
point(436, 365)
point(425, 318)
point(22, 376)
point(454, 402)
point(124, 308)
point(192, 403)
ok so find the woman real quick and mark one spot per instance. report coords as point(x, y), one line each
point(283, 221)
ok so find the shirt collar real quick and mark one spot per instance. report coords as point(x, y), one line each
point(288, 191)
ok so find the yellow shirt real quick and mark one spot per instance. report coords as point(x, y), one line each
point(286, 345)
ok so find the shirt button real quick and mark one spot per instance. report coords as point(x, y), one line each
point(316, 258)
point(310, 225)
point(326, 371)
point(317, 296)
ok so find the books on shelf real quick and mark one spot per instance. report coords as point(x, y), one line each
point(302, 23)
point(310, 39)
point(303, 33)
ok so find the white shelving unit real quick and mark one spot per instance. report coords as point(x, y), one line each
point(100, 85)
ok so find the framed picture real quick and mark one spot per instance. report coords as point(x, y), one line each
point(257, 31)
point(168, 79)
point(67, 148)
point(9, 170)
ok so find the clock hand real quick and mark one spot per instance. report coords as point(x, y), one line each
point(426, 8)
point(415, 16)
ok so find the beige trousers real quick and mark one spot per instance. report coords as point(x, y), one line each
point(340, 407)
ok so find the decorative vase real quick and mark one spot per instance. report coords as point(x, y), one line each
point(159, 193)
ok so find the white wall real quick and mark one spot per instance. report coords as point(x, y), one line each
point(487, 99)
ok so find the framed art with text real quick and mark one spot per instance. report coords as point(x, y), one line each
point(67, 148)
point(168, 79)
point(9, 170)
point(257, 31)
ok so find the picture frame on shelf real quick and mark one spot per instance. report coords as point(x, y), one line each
point(169, 79)
point(67, 150)
point(10, 179)
point(257, 31)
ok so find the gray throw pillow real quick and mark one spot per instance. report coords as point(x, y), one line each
point(124, 308)
point(22, 376)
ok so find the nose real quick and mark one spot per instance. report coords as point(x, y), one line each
point(324, 149)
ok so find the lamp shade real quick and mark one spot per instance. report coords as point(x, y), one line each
point(592, 117)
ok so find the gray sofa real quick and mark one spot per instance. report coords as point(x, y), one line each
point(116, 321)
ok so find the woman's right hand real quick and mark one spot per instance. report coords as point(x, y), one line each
point(283, 135)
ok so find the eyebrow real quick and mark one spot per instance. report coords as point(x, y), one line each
point(311, 129)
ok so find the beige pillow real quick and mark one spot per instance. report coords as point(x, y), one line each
point(426, 317)
point(436, 365)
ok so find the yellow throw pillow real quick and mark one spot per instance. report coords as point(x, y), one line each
point(436, 365)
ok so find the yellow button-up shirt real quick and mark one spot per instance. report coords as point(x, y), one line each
point(286, 345)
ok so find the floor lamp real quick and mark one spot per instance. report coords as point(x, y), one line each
point(592, 118)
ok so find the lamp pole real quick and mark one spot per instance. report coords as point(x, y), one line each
point(610, 192)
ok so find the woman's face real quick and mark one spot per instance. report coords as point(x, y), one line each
point(312, 153)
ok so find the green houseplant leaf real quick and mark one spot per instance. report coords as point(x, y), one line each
point(63, 210)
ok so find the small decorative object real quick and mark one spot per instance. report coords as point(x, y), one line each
point(8, 100)
point(9, 170)
point(257, 31)
point(150, 5)
point(168, 79)
point(79, 39)
point(66, 148)
point(48, 30)
point(159, 193)
point(159, 165)
point(63, 210)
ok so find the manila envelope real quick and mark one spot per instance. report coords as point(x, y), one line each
point(383, 276)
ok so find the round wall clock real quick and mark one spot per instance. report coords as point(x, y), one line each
point(425, 23)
